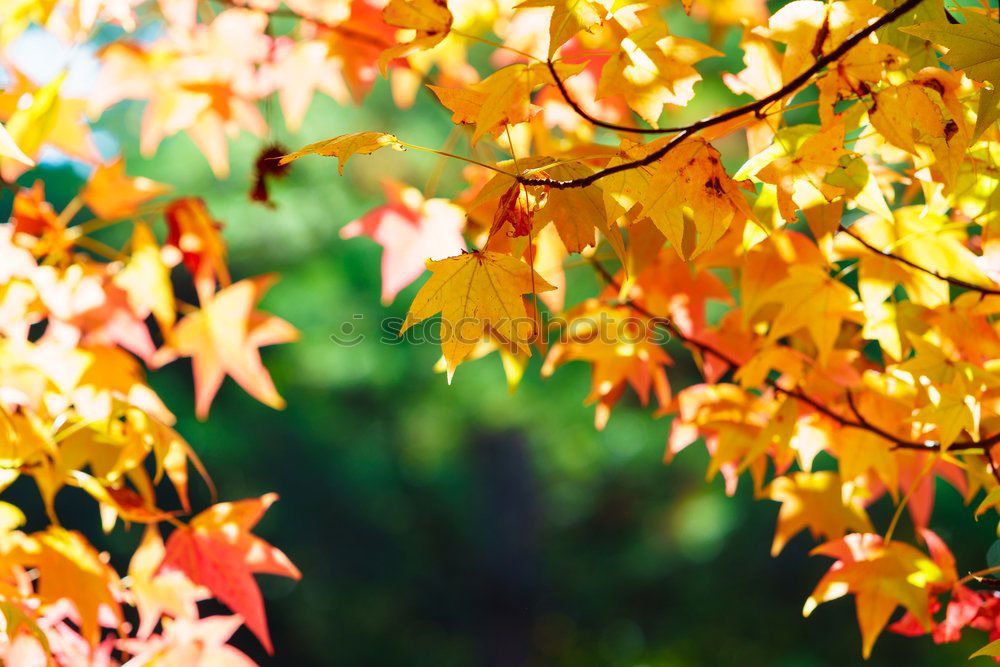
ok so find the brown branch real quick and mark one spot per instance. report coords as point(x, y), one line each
point(897, 441)
point(859, 421)
point(706, 348)
point(992, 464)
point(755, 106)
point(580, 111)
point(957, 282)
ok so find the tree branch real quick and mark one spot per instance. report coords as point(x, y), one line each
point(755, 106)
point(957, 282)
point(859, 421)
point(580, 111)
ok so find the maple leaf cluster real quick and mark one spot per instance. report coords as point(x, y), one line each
point(80, 321)
point(839, 291)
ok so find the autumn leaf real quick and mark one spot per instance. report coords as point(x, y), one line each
point(159, 593)
point(810, 299)
point(9, 148)
point(186, 88)
point(568, 18)
point(477, 292)
point(194, 642)
point(881, 576)
point(973, 46)
point(217, 550)
point(146, 278)
point(577, 213)
point(223, 338)
point(798, 164)
point(410, 230)
point(814, 500)
point(430, 21)
point(33, 215)
point(923, 239)
point(654, 69)
point(111, 194)
point(37, 116)
point(810, 28)
point(192, 230)
point(344, 146)
point(988, 112)
point(621, 350)
point(673, 288)
point(501, 99)
point(515, 213)
point(69, 568)
point(692, 200)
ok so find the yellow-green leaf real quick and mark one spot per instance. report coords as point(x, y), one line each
point(344, 146)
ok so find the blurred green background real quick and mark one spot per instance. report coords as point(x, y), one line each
point(462, 526)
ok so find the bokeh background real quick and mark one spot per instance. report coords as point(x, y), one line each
point(460, 525)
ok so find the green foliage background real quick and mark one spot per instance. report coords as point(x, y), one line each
point(453, 526)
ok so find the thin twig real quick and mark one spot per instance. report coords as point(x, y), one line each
point(859, 422)
point(992, 464)
point(957, 282)
point(580, 111)
point(899, 442)
point(756, 106)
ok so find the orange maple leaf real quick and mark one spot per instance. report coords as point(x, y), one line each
point(111, 194)
point(217, 550)
point(223, 338)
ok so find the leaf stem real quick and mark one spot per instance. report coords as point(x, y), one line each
point(906, 499)
point(497, 45)
point(456, 157)
point(72, 208)
point(978, 573)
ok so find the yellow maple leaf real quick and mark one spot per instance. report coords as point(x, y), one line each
point(812, 300)
point(692, 200)
point(344, 146)
point(224, 337)
point(477, 293)
point(568, 18)
point(952, 411)
point(923, 239)
point(502, 98)
point(881, 576)
point(814, 500)
point(146, 278)
point(69, 568)
point(10, 149)
point(811, 28)
point(797, 164)
point(430, 20)
point(653, 69)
